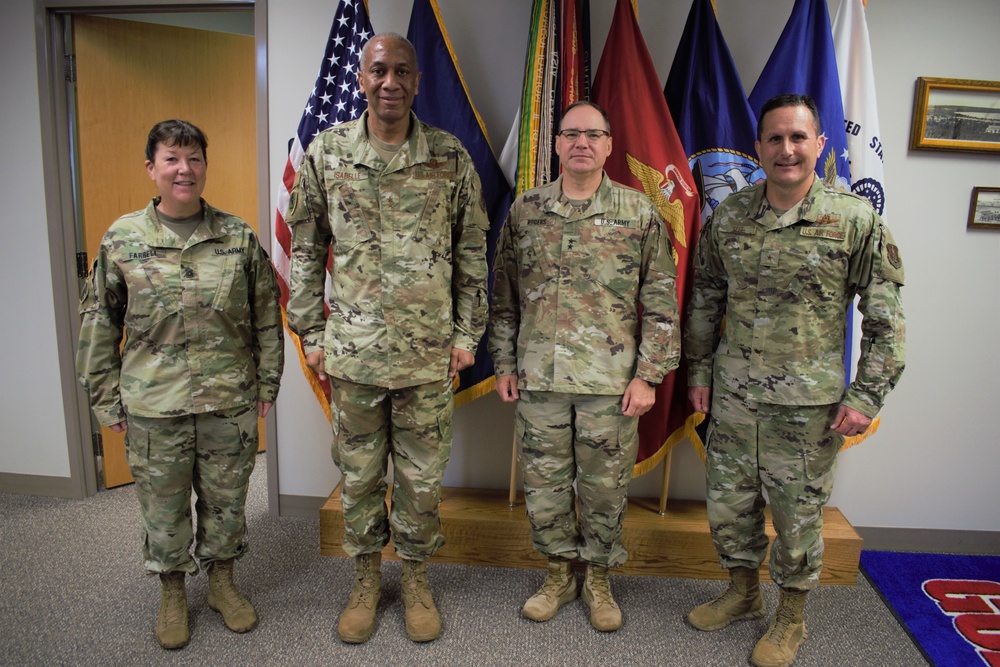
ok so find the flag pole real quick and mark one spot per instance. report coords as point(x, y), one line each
point(665, 482)
point(513, 473)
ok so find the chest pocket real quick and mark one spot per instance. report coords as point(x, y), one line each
point(347, 220)
point(613, 258)
point(538, 251)
point(818, 264)
point(426, 202)
point(152, 291)
point(231, 289)
point(739, 247)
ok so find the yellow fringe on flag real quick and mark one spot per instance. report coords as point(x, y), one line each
point(861, 437)
point(308, 372)
point(696, 418)
point(475, 391)
point(686, 430)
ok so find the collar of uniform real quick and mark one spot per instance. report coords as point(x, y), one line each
point(762, 212)
point(600, 202)
point(812, 212)
point(161, 237)
point(413, 151)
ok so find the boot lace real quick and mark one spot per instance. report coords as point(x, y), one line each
point(601, 588)
point(783, 619)
point(731, 596)
point(225, 591)
point(173, 606)
point(554, 584)
point(415, 588)
point(364, 587)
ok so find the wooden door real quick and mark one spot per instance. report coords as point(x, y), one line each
point(131, 75)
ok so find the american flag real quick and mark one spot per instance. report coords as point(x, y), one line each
point(334, 99)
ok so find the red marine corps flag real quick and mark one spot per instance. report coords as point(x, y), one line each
point(648, 156)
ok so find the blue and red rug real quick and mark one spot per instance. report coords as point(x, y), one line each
point(950, 604)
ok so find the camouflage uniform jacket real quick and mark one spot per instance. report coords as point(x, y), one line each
point(201, 319)
point(565, 313)
point(785, 284)
point(408, 241)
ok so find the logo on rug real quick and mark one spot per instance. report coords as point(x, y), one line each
point(948, 603)
point(974, 608)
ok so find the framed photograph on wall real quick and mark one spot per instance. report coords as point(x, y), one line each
point(956, 115)
point(984, 211)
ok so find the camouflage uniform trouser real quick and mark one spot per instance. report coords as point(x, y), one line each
point(791, 452)
point(562, 437)
point(213, 453)
point(412, 426)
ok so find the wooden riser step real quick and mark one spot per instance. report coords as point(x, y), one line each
point(480, 528)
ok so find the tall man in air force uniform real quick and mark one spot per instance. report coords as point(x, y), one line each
point(399, 205)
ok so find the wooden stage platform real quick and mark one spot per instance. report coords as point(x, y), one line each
point(480, 528)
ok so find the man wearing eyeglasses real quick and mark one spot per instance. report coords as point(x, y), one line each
point(581, 359)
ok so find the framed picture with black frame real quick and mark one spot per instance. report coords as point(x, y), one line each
point(984, 211)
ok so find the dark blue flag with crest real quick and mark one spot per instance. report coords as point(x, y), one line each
point(710, 109)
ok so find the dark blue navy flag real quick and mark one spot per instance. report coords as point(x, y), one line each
point(804, 61)
point(443, 101)
point(710, 109)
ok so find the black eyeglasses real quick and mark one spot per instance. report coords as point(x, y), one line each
point(591, 135)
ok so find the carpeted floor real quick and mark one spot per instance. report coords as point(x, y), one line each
point(73, 592)
point(949, 603)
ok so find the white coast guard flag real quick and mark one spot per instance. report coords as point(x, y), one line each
point(857, 89)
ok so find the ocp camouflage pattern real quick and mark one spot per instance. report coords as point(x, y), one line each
point(200, 319)
point(784, 284)
point(408, 243)
point(420, 421)
point(565, 314)
point(213, 453)
point(791, 451)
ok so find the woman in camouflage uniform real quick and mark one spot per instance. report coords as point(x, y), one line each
point(181, 348)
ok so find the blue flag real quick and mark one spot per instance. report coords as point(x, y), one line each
point(711, 111)
point(443, 101)
point(804, 61)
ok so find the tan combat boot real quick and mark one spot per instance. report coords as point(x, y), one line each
point(604, 612)
point(423, 623)
point(357, 622)
point(558, 588)
point(237, 612)
point(172, 622)
point(778, 646)
point(740, 602)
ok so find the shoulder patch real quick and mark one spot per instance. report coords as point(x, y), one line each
point(892, 254)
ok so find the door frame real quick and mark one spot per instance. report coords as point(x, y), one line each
point(57, 159)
